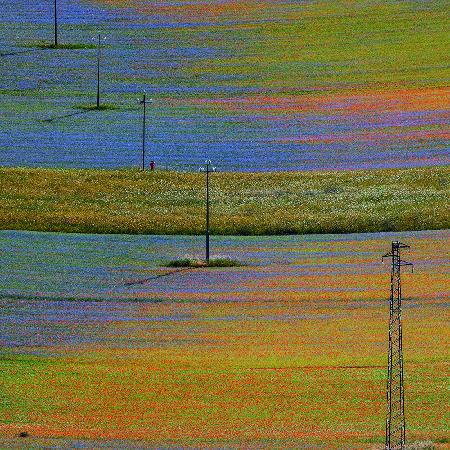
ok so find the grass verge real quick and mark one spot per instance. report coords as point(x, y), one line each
point(102, 107)
point(198, 263)
point(164, 202)
point(50, 46)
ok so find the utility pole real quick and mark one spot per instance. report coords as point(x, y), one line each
point(144, 102)
point(98, 70)
point(207, 169)
point(395, 421)
point(56, 24)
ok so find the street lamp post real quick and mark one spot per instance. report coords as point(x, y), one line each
point(56, 24)
point(207, 169)
point(99, 53)
point(144, 102)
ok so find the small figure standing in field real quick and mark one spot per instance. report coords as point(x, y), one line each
point(152, 165)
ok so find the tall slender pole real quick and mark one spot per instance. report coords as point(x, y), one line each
point(56, 24)
point(98, 72)
point(144, 102)
point(143, 132)
point(208, 169)
point(207, 211)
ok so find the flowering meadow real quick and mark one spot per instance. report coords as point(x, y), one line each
point(166, 202)
point(327, 121)
point(288, 352)
point(252, 85)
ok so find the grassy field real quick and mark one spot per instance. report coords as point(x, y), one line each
point(232, 375)
point(287, 352)
point(129, 201)
point(252, 84)
point(129, 267)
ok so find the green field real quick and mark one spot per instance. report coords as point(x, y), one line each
point(129, 201)
point(287, 352)
point(230, 375)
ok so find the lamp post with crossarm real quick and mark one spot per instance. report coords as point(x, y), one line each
point(99, 54)
point(207, 169)
point(144, 103)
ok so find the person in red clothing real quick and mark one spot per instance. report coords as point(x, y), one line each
point(152, 165)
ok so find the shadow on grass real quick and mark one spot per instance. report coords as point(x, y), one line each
point(19, 52)
point(84, 110)
point(35, 47)
point(148, 280)
point(186, 264)
point(51, 119)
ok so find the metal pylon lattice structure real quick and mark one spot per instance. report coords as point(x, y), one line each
point(395, 421)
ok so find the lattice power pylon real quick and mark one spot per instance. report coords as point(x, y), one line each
point(395, 421)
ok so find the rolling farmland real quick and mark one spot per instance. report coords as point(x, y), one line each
point(168, 202)
point(251, 85)
point(324, 118)
point(288, 352)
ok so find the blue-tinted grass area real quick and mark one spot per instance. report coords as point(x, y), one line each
point(307, 316)
point(204, 78)
point(57, 266)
